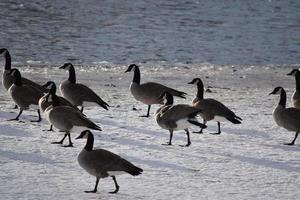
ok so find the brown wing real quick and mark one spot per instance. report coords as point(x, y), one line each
point(108, 161)
point(87, 94)
point(75, 117)
point(157, 89)
point(180, 111)
point(26, 95)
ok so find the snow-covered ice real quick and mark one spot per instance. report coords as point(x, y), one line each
point(247, 161)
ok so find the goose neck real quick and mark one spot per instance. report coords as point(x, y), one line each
point(89, 143)
point(297, 77)
point(7, 61)
point(200, 90)
point(72, 75)
point(282, 101)
point(137, 75)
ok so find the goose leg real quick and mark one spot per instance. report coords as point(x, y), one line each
point(148, 112)
point(81, 110)
point(219, 129)
point(61, 141)
point(39, 115)
point(171, 136)
point(17, 118)
point(95, 189)
point(293, 142)
point(201, 129)
point(70, 142)
point(50, 129)
point(116, 184)
point(188, 139)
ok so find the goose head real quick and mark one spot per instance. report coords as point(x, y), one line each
point(84, 134)
point(131, 67)
point(196, 81)
point(53, 99)
point(67, 66)
point(51, 86)
point(3, 51)
point(166, 98)
point(294, 72)
point(277, 91)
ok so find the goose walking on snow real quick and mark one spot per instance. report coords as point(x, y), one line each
point(23, 95)
point(288, 118)
point(296, 95)
point(78, 94)
point(67, 119)
point(43, 103)
point(177, 117)
point(149, 92)
point(212, 109)
point(102, 163)
point(8, 79)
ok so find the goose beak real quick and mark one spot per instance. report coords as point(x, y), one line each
point(190, 82)
point(127, 70)
point(289, 74)
point(62, 67)
point(79, 137)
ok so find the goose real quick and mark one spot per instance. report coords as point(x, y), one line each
point(176, 117)
point(52, 90)
point(212, 109)
point(102, 163)
point(149, 92)
point(296, 95)
point(7, 79)
point(23, 95)
point(67, 119)
point(288, 118)
point(43, 104)
point(78, 94)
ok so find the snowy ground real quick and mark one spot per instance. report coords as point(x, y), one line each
point(247, 161)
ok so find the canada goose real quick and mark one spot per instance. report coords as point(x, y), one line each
point(102, 163)
point(149, 92)
point(43, 104)
point(296, 95)
point(78, 94)
point(23, 95)
point(52, 90)
point(288, 118)
point(67, 119)
point(7, 79)
point(212, 109)
point(176, 117)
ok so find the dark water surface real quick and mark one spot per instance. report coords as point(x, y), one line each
point(125, 31)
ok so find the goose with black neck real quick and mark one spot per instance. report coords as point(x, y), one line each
point(288, 118)
point(66, 119)
point(8, 79)
point(43, 103)
point(212, 109)
point(148, 93)
point(177, 117)
point(77, 93)
point(102, 163)
point(23, 95)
